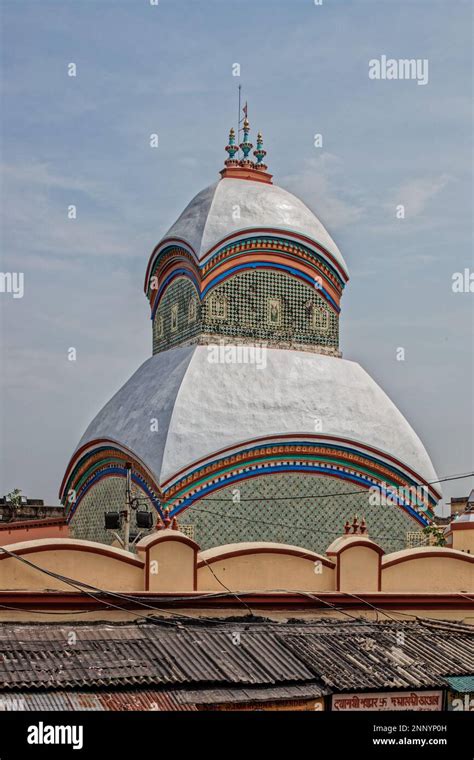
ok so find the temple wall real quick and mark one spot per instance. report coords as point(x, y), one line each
point(254, 306)
point(178, 317)
point(293, 508)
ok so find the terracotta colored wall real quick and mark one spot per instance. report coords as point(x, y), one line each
point(15, 535)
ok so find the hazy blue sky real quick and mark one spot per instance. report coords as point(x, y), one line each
point(168, 69)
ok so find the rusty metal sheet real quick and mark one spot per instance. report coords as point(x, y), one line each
point(105, 701)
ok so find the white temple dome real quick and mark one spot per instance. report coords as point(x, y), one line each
point(233, 205)
point(202, 407)
point(294, 432)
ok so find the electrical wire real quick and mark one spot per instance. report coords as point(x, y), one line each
point(233, 593)
point(85, 588)
point(81, 586)
point(316, 496)
point(292, 498)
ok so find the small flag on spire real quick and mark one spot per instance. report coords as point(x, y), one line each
point(244, 109)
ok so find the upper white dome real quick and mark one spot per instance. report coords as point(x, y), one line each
point(233, 205)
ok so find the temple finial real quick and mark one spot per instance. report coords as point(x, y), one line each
point(260, 154)
point(241, 166)
point(246, 146)
point(231, 149)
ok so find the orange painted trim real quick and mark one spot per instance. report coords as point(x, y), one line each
point(161, 272)
point(238, 235)
point(240, 172)
point(266, 550)
point(265, 256)
point(284, 235)
point(269, 258)
point(118, 448)
point(179, 243)
point(462, 526)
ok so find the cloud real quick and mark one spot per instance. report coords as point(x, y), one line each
point(322, 183)
point(39, 174)
point(324, 186)
point(35, 222)
point(416, 194)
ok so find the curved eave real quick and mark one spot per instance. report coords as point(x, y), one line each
point(241, 234)
point(353, 443)
point(92, 446)
point(235, 401)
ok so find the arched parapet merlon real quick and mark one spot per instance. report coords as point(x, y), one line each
point(410, 570)
point(38, 564)
point(389, 481)
point(342, 543)
point(358, 561)
point(170, 559)
point(264, 566)
point(219, 553)
point(39, 545)
point(99, 459)
point(425, 552)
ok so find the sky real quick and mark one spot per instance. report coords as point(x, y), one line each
point(169, 69)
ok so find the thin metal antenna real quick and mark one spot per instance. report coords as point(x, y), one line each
point(238, 122)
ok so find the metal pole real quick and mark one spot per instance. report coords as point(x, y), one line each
point(238, 122)
point(126, 532)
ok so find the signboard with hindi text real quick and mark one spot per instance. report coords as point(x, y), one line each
point(388, 700)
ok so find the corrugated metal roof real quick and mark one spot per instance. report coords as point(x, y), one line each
point(61, 656)
point(391, 656)
point(462, 684)
point(246, 694)
point(337, 655)
point(99, 701)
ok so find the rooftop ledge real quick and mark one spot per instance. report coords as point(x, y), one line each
point(240, 172)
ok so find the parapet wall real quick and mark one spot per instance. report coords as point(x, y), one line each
point(168, 561)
